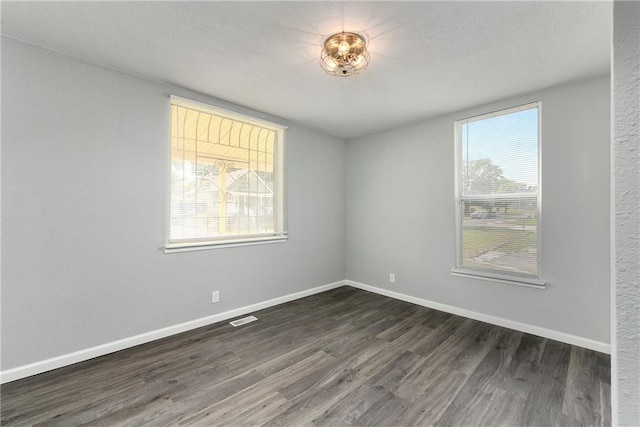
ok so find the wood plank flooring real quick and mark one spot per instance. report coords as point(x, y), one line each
point(340, 358)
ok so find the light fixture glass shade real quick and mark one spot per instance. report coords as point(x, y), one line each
point(344, 54)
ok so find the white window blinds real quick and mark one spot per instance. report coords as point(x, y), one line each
point(498, 193)
point(226, 176)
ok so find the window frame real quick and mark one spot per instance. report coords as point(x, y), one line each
point(531, 281)
point(280, 233)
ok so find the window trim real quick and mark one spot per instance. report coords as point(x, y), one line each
point(536, 281)
point(280, 235)
point(200, 245)
point(529, 282)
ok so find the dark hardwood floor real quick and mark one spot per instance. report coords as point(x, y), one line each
point(343, 357)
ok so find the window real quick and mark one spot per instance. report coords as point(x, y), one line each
point(226, 178)
point(498, 195)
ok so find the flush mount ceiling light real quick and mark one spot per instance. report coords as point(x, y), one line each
point(344, 54)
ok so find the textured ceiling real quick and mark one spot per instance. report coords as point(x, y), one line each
point(427, 58)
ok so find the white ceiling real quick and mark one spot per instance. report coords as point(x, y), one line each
point(427, 58)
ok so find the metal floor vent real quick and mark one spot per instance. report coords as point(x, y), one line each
point(243, 321)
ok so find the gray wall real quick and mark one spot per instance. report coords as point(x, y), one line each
point(625, 206)
point(400, 215)
point(84, 198)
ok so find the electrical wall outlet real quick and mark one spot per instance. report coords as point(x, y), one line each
point(392, 278)
point(215, 297)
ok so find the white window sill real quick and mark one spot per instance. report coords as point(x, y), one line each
point(171, 248)
point(529, 282)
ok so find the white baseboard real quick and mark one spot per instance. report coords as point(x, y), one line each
point(101, 350)
point(494, 320)
point(90, 353)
